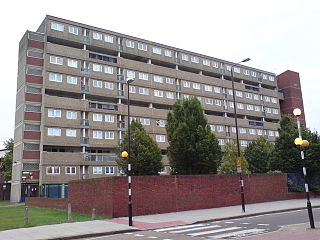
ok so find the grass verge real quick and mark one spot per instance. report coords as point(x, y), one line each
point(13, 217)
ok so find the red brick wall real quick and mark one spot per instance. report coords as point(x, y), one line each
point(32, 116)
point(31, 154)
point(35, 44)
point(32, 97)
point(161, 194)
point(56, 203)
point(34, 79)
point(35, 61)
point(31, 135)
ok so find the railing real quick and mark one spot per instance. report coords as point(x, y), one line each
point(84, 140)
point(100, 157)
point(84, 176)
point(178, 87)
point(120, 93)
point(120, 47)
point(86, 40)
point(84, 88)
point(120, 77)
point(84, 122)
point(121, 125)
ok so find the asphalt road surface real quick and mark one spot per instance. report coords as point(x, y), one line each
point(226, 229)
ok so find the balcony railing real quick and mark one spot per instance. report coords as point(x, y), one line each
point(100, 157)
point(85, 71)
point(85, 123)
point(120, 77)
point(120, 93)
point(84, 140)
point(84, 175)
point(121, 125)
point(178, 88)
point(85, 88)
point(120, 47)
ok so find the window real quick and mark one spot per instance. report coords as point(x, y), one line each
point(71, 115)
point(97, 134)
point(97, 83)
point(52, 170)
point(56, 60)
point(72, 79)
point(221, 141)
point(158, 93)
point(230, 92)
point(209, 101)
point(186, 96)
point(206, 62)
point(109, 118)
point(55, 77)
point(145, 121)
point(243, 130)
point(194, 59)
point(276, 133)
point(73, 30)
point(109, 135)
point(269, 110)
point(264, 76)
point(212, 127)
point(161, 123)
point(255, 97)
point(275, 111)
point(144, 91)
point(71, 133)
point(108, 69)
point(108, 38)
point(167, 53)
point(243, 143)
point(160, 138)
point(108, 85)
point(158, 79)
point(130, 43)
point(216, 89)
point(97, 36)
point(142, 47)
point(156, 50)
point(252, 131)
point(96, 67)
point(260, 132)
point(57, 26)
point(267, 99)
point(257, 108)
point(238, 94)
point(236, 70)
point(233, 129)
point(132, 89)
point(215, 64)
point(97, 117)
point(196, 85)
point(271, 133)
point(54, 132)
point(208, 88)
point(70, 170)
point(185, 57)
point(217, 102)
point(109, 170)
point(72, 63)
point(231, 104)
point(97, 170)
point(143, 76)
point(271, 78)
point(54, 113)
point(170, 95)
point(131, 74)
point(246, 72)
point(228, 68)
point(253, 74)
point(169, 80)
point(250, 107)
point(274, 100)
point(186, 84)
point(220, 128)
point(240, 106)
point(199, 98)
point(249, 95)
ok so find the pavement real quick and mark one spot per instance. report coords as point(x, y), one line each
point(118, 225)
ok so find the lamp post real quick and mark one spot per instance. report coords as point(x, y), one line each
point(304, 144)
point(129, 80)
point(237, 135)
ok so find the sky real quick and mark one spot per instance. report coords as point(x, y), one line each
point(276, 35)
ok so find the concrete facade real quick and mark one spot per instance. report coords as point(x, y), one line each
point(71, 108)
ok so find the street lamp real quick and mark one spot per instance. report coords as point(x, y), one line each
point(237, 134)
point(303, 144)
point(129, 80)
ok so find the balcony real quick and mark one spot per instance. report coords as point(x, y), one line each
point(120, 78)
point(178, 88)
point(84, 141)
point(84, 176)
point(121, 126)
point(86, 40)
point(102, 157)
point(120, 94)
point(84, 123)
point(84, 88)
point(85, 72)
point(120, 47)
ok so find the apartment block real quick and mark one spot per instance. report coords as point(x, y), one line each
point(71, 101)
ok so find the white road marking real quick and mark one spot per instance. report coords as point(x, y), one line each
point(152, 237)
point(255, 230)
point(193, 229)
point(138, 235)
point(263, 224)
point(178, 227)
point(213, 231)
point(228, 222)
point(245, 223)
point(128, 233)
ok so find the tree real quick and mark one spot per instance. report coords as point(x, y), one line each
point(6, 161)
point(259, 154)
point(145, 153)
point(193, 149)
point(229, 163)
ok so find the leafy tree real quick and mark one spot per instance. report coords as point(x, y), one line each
point(193, 149)
point(229, 163)
point(6, 161)
point(259, 154)
point(145, 153)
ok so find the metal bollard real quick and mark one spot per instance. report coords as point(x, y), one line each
point(93, 215)
point(69, 212)
point(26, 216)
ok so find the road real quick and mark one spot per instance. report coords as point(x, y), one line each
point(226, 229)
